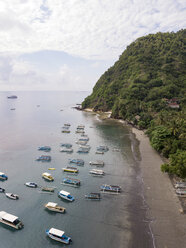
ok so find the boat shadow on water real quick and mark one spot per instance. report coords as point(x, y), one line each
point(9, 228)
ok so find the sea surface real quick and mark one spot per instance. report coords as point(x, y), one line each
point(116, 221)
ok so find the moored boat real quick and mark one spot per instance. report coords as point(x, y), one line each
point(102, 148)
point(12, 97)
point(48, 189)
point(93, 196)
point(2, 190)
point(65, 195)
point(10, 220)
point(111, 188)
point(71, 181)
point(76, 161)
point(97, 162)
point(97, 172)
point(67, 124)
point(44, 158)
point(70, 169)
point(68, 150)
point(58, 235)
point(54, 207)
point(180, 185)
point(65, 131)
point(3, 177)
point(12, 196)
point(47, 176)
point(181, 192)
point(67, 145)
point(83, 150)
point(44, 148)
point(99, 152)
point(31, 184)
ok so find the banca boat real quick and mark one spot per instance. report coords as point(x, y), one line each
point(12, 97)
point(80, 142)
point(65, 131)
point(44, 148)
point(65, 195)
point(70, 169)
point(52, 206)
point(44, 158)
point(10, 220)
point(48, 189)
point(84, 139)
point(58, 235)
point(31, 184)
point(80, 131)
point(67, 145)
point(97, 172)
point(76, 161)
point(102, 148)
point(180, 185)
point(111, 188)
point(47, 176)
point(65, 149)
point(83, 150)
point(67, 124)
point(181, 192)
point(12, 196)
point(99, 152)
point(71, 181)
point(3, 177)
point(97, 162)
point(2, 190)
point(93, 196)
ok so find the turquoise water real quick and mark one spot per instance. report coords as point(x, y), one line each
point(115, 221)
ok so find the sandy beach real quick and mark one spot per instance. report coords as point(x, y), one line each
point(168, 226)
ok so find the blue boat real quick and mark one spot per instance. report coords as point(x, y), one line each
point(111, 188)
point(65, 195)
point(102, 148)
point(71, 181)
point(67, 145)
point(44, 158)
point(58, 235)
point(83, 150)
point(3, 177)
point(44, 148)
point(76, 161)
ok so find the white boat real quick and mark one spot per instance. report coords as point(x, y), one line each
point(58, 235)
point(10, 220)
point(31, 184)
point(180, 185)
point(52, 206)
point(97, 172)
point(47, 176)
point(65, 195)
point(97, 162)
point(68, 150)
point(12, 196)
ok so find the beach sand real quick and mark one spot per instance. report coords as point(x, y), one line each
point(168, 226)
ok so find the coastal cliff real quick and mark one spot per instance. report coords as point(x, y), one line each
point(147, 87)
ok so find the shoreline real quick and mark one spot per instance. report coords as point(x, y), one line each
point(168, 224)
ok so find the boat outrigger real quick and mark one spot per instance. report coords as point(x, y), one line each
point(70, 169)
point(44, 158)
point(58, 235)
point(93, 196)
point(71, 182)
point(111, 188)
point(47, 176)
point(52, 206)
point(65, 195)
point(10, 220)
point(3, 177)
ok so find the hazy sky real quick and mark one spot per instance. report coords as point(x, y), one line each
point(68, 44)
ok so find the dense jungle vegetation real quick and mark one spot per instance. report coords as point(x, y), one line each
point(147, 87)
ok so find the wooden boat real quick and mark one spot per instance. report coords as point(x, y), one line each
point(97, 162)
point(65, 195)
point(52, 206)
point(70, 169)
point(3, 177)
point(10, 220)
point(2, 190)
point(67, 124)
point(111, 188)
point(71, 181)
point(99, 152)
point(93, 196)
point(31, 184)
point(44, 148)
point(44, 158)
point(51, 168)
point(68, 150)
point(58, 235)
point(97, 172)
point(12, 196)
point(80, 131)
point(48, 189)
point(47, 176)
point(76, 161)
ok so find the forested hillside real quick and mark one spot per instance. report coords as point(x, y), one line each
point(147, 87)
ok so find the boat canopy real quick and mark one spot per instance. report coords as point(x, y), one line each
point(46, 174)
point(51, 204)
point(8, 217)
point(56, 232)
point(64, 193)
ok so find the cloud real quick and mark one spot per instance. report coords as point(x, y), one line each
point(91, 29)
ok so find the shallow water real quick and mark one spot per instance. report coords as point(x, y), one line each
point(115, 221)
